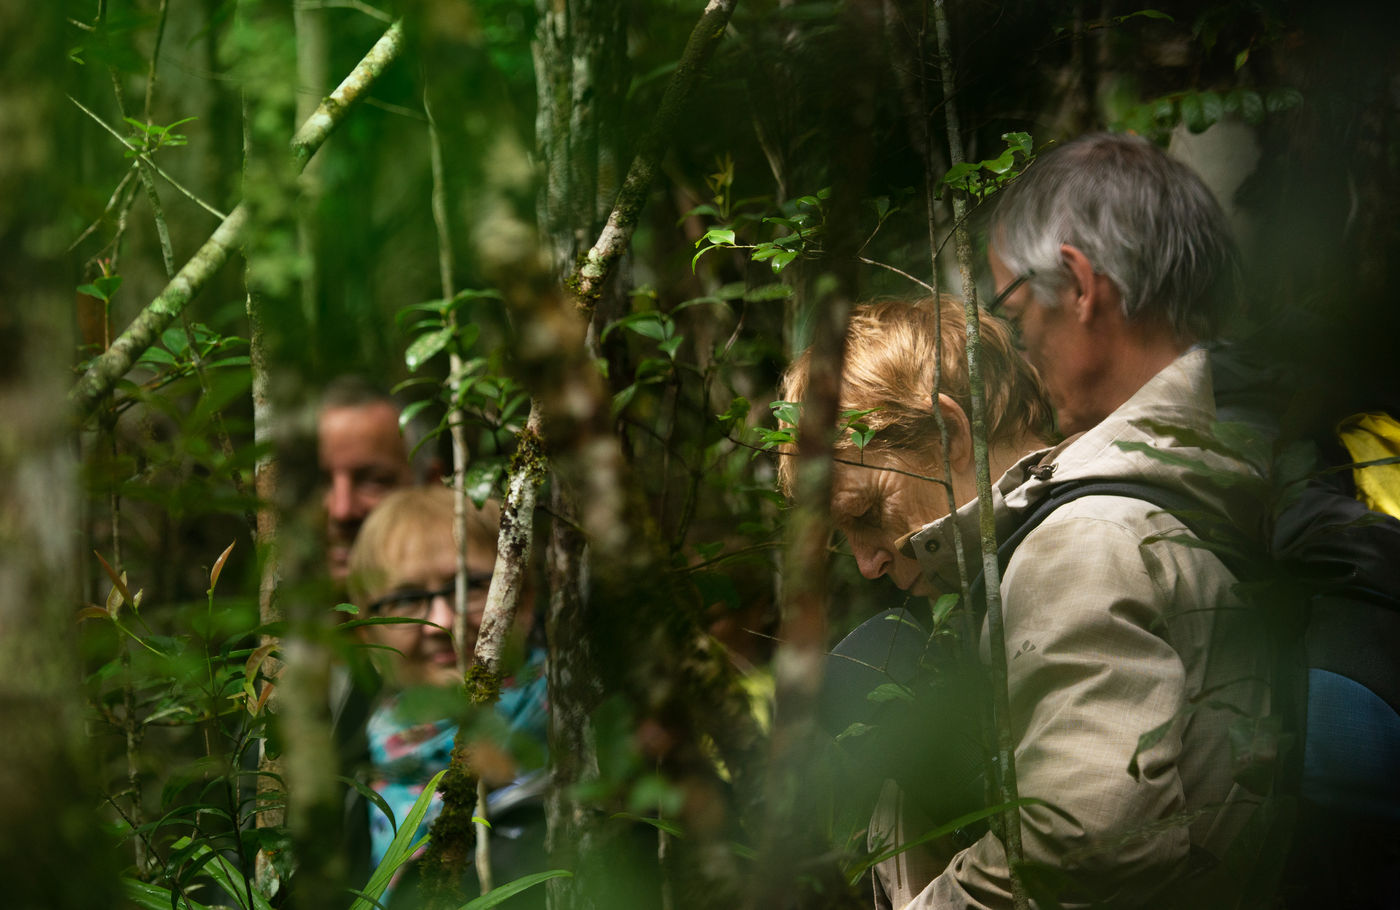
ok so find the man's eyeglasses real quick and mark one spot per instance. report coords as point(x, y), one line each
point(1007, 291)
point(417, 604)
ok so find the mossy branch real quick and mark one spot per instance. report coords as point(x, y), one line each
point(104, 371)
point(598, 263)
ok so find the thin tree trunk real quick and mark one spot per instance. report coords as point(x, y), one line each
point(56, 853)
point(991, 572)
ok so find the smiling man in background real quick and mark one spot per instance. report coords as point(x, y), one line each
point(363, 457)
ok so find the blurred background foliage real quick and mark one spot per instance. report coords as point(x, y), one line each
point(1288, 109)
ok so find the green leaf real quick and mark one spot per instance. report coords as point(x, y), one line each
point(737, 412)
point(957, 174)
point(347, 608)
point(222, 871)
point(1241, 59)
point(766, 292)
point(1002, 163)
point(786, 411)
point(1164, 111)
point(92, 290)
point(480, 479)
point(782, 260)
point(1146, 14)
point(400, 849)
point(1212, 108)
point(424, 347)
point(1019, 141)
point(153, 897)
point(412, 410)
point(718, 237)
point(158, 355)
point(1193, 113)
point(655, 326)
point(854, 730)
point(496, 895)
point(889, 692)
point(1251, 107)
point(670, 344)
point(942, 608)
point(1281, 99)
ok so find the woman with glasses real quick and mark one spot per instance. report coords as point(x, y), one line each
point(403, 566)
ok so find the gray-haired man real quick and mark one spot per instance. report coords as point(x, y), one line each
point(1118, 263)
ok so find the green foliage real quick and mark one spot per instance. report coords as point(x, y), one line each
point(981, 179)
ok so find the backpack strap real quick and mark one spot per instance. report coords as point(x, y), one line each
point(1168, 500)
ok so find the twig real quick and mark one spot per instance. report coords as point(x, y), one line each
point(111, 203)
point(108, 367)
point(884, 265)
point(142, 156)
point(365, 8)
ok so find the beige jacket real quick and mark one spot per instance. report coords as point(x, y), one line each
point(1108, 636)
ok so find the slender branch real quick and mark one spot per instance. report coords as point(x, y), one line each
point(991, 571)
point(365, 8)
point(112, 364)
point(111, 204)
point(923, 284)
point(146, 159)
point(448, 850)
point(457, 429)
point(600, 261)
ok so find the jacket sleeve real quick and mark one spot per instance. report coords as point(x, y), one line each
point(1089, 672)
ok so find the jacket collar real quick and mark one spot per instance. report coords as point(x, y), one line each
point(1180, 394)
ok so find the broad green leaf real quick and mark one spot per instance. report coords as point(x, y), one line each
point(92, 290)
point(1019, 141)
point(782, 260)
point(400, 849)
point(854, 730)
point(1251, 107)
point(1281, 99)
point(224, 874)
point(424, 347)
point(1212, 108)
point(155, 354)
point(1241, 59)
point(889, 692)
point(718, 237)
point(1002, 163)
point(786, 411)
point(495, 896)
point(153, 897)
point(737, 411)
point(942, 608)
point(1193, 113)
point(412, 410)
point(766, 292)
point(958, 173)
point(175, 340)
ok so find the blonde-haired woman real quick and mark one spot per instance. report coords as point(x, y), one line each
point(403, 566)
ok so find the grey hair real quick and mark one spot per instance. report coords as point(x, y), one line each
point(1142, 218)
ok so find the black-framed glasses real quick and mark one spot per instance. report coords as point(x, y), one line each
point(418, 603)
point(1007, 291)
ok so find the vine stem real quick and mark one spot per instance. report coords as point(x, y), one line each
point(996, 632)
